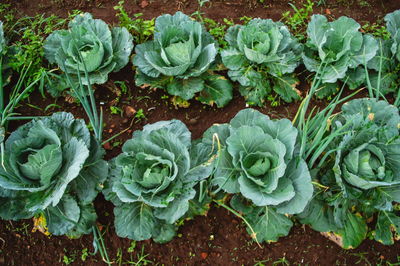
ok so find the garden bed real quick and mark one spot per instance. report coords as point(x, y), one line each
point(220, 238)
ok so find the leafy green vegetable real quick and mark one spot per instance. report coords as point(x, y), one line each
point(2, 40)
point(153, 180)
point(53, 166)
point(257, 161)
point(360, 179)
point(334, 50)
point(180, 60)
point(89, 45)
point(383, 75)
point(5, 53)
point(261, 56)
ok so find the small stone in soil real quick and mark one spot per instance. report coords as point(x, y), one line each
point(107, 146)
point(192, 121)
point(204, 255)
point(130, 111)
point(144, 3)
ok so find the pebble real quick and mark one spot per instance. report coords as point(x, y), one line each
point(107, 146)
point(192, 121)
point(204, 255)
point(144, 4)
point(130, 111)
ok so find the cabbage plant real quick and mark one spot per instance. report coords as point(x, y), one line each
point(180, 60)
point(257, 162)
point(359, 181)
point(153, 180)
point(337, 51)
point(89, 46)
point(262, 56)
point(383, 76)
point(5, 55)
point(52, 168)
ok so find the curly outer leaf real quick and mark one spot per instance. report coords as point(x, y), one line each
point(387, 227)
point(135, 221)
point(268, 225)
point(218, 90)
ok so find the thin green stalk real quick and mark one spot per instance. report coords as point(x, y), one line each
point(118, 134)
point(253, 234)
point(369, 85)
point(2, 154)
point(16, 100)
point(92, 101)
point(14, 118)
point(378, 87)
point(1, 86)
point(98, 242)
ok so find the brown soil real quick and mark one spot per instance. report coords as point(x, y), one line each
point(218, 238)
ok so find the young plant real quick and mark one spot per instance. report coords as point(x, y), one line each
point(180, 60)
point(337, 50)
point(53, 167)
point(89, 46)
point(357, 174)
point(140, 28)
point(8, 102)
point(262, 56)
point(257, 162)
point(152, 182)
point(297, 22)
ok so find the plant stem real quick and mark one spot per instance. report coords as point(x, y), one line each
point(253, 234)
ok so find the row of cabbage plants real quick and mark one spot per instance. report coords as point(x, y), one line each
point(53, 168)
point(337, 172)
point(262, 56)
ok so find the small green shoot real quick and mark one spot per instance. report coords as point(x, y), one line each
point(84, 254)
point(140, 115)
point(297, 22)
point(132, 247)
point(141, 29)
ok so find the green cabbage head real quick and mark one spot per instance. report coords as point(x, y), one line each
point(89, 45)
point(152, 181)
point(179, 59)
point(335, 50)
point(361, 180)
point(257, 162)
point(53, 167)
point(261, 56)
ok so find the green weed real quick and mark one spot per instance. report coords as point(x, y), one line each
point(297, 21)
point(218, 30)
point(377, 29)
point(141, 29)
